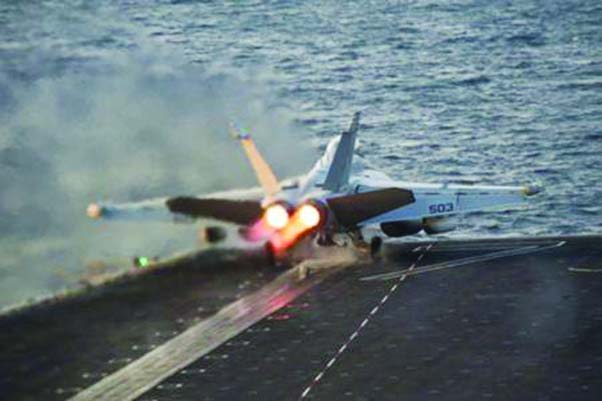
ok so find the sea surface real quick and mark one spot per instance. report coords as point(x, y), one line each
point(126, 100)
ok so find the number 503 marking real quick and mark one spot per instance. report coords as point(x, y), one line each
point(441, 208)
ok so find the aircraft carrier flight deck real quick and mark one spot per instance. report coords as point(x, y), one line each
point(496, 319)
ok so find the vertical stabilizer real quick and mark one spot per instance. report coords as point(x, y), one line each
point(340, 168)
point(262, 169)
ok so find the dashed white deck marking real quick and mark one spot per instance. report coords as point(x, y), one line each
point(363, 324)
point(151, 369)
point(463, 261)
point(488, 244)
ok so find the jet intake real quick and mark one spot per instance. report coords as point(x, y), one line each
point(439, 225)
point(401, 228)
point(432, 225)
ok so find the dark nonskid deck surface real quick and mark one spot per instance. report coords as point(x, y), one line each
point(498, 319)
point(53, 351)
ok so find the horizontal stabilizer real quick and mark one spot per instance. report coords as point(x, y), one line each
point(242, 212)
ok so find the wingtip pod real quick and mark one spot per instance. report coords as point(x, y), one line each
point(94, 211)
point(237, 132)
point(530, 190)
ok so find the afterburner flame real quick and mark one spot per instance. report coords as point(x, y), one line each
point(276, 216)
point(309, 215)
point(305, 219)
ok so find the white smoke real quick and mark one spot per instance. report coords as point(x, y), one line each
point(142, 128)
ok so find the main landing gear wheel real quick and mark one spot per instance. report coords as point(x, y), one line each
point(376, 244)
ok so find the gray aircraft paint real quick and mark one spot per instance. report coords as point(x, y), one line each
point(340, 169)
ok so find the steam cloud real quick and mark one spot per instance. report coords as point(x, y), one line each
point(139, 130)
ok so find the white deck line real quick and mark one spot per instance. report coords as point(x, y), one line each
point(138, 377)
point(463, 261)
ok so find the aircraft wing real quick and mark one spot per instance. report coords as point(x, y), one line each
point(374, 205)
point(351, 210)
point(240, 207)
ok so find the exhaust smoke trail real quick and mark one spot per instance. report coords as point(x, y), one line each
point(142, 130)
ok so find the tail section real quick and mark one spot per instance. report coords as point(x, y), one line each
point(340, 168)
point(262, 169)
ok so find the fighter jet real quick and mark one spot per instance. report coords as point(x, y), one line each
point(328, 206)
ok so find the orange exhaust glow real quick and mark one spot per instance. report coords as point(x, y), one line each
point(309, 215)
point(304, 219)
point(258, 231)
point(276, 216)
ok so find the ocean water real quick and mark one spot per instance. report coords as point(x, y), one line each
point(126, 100)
